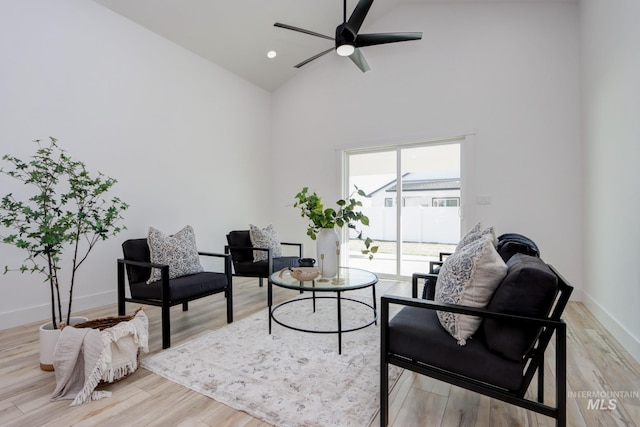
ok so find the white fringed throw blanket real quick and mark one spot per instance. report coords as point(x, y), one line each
point(83, 357)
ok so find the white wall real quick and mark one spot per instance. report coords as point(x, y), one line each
point(610, 38)
point(185, 139)
point(507, 73)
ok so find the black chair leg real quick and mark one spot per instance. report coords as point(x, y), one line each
point(260, 281)
point(166, 327)
point(561, 374)
point(384, 367)
point(541, 383)
point(384, 394)
point(121, 296)
point(229, 306)
point(185, 306)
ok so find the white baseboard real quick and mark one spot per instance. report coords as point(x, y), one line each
point(619, 332)
point(42, 313)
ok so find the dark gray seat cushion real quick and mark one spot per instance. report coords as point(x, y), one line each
point(417, 334)
point(259, 269)
point(529, 289)
point(184, 287)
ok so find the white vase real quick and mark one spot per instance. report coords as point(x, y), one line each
point(327, 246)
point(49, 339)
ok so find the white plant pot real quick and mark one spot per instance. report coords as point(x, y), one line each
point(49, 339)
point(327, 246)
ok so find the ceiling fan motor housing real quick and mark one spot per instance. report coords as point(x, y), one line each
point(345, 35)
point(347, 39)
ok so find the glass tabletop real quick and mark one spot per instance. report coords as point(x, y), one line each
point(347, 279)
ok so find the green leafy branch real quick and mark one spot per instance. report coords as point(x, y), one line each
point(347, 213)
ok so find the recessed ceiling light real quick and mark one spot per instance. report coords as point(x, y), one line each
point(271, 54)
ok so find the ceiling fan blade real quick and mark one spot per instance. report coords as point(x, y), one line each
point(357, 16)
point(302, 30)
point(358, 58)
point(363, 40)
point(306, 61)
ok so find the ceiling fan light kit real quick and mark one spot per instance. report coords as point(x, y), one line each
point(347, 40)
point(345, 49)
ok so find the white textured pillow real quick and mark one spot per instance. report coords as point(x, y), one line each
point(474, 234)
point(468, 277)
point(179, 251)
point(265, 238)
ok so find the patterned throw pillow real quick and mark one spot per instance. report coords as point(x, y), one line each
point(474, 234)
point(266, 238)
point(468, 277)
point(179, 251)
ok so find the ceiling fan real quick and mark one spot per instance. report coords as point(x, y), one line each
point(347, 39)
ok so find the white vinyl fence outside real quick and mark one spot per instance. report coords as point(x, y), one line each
point(420, 224)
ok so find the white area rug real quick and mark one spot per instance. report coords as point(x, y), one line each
point(288, 378)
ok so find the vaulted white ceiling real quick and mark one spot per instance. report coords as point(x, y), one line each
point(237, 34)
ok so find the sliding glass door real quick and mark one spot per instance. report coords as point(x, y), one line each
point(413, 203)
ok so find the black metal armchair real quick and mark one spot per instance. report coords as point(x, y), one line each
point(241, 251)
point(167, 292)
point(414, 339)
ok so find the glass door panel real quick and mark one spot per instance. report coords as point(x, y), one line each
point(372, 172)
point(430, 204)
point(423, 210)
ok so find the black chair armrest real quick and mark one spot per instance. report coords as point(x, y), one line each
point(432, 274)
point(239, 248)
point(228, 249)
point(443, 255)
point(433, 265)
point(414, 281)
point(164, 273)
point(227, 262)
point(215, 254)
point(143, 263)
point(463, 309)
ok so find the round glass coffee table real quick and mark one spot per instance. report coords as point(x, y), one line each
point(349, 279)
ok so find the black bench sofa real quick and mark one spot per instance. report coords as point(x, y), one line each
point(505, 353)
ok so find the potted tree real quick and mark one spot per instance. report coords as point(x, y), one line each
point(64, 212)
point(323, 221)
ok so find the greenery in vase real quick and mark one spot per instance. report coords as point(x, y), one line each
point(347, 213)
point(65, 209)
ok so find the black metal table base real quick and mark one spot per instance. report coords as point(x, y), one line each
point(339, 299)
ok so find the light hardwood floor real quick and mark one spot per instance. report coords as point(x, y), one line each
point(596, 363)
